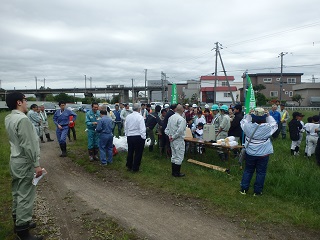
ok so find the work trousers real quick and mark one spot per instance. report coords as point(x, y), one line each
point(150, 134)
point(73, 130)
point(23, 191)
point(44, 128)
point(106, 147)
point(135, 150)
point(119, 124)
point(258, 164)
point(178, 150)
point(93, 139)
point(62, 134)
point(311, 143)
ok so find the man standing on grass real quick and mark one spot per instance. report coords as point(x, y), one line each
point(259, 127)
point(135, 130)
point(92, 118)
point(151, 121)
point(24, 163)
point(176, 131)
point(284, 118)
point(34, 117)
point(277, 117)
point(44, 128)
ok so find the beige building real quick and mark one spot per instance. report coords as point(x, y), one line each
point(273, 86)
point(310, 92)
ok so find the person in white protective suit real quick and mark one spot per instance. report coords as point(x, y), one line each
point(176, 130)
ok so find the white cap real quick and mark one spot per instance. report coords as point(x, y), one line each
point(166, 105)
point(206, 106)
point(187, 104)
point(194, 105)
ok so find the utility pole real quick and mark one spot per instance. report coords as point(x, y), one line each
point(145, 84)
point(281, 82)
point(0, 84)
point(162, 86)
point(85, 82)
point(216, 73)
point(90, 82)
point(44, 83)
point(132, 91)
point(36, 83)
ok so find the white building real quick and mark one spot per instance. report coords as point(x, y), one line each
point(223, 92)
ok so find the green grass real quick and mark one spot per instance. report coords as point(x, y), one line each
point(291, 194)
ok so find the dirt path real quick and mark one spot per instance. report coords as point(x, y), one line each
point(72, 195)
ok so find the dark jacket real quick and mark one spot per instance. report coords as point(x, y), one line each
point(166, 119)
point(152, 120)
point(235, 128)
point(294, 129)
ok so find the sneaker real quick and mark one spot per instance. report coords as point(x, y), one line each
point(257, 194)
point(243, 192)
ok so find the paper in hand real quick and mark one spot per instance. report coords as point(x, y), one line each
point(35, 179)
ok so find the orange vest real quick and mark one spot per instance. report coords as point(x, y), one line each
point(71, 124)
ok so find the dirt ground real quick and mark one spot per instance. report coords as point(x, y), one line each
point(71, 202)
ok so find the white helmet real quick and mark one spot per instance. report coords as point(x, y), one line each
point(206, 106)
point(166, 105)
point(194, 105)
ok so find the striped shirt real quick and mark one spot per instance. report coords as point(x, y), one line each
point(260, 144)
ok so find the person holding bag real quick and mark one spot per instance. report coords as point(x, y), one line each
point(258, 128)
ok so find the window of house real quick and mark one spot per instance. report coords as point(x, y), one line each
point(273, 93)
point(286, 93)
point(278, 79)
point(291, 80)
point(267, 80)
point(224, 83)
point(290, 93)
point(226, 94)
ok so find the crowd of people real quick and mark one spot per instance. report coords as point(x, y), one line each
point(255, 131)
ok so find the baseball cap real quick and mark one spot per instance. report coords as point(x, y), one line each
point(166, 105)
point(194, 105)
point(297, 114)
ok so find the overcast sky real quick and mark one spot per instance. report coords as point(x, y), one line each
point(114, 41)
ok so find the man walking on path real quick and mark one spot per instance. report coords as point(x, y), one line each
point(44, 128)
point(135, 130)
point(24, 163)
point(61, 120)
point(176, 130)
point(92, 118)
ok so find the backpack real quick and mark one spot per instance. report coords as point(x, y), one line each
point(294, 129)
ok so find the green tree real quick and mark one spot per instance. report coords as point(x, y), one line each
point(258, 88)
point(49, 98)
point(194, 98)
point(297, 98)
point(261, 99)
point(31, 99)
point(63, 97)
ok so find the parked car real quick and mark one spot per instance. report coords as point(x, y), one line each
point(154, 104)
point(74, 107)
point(85, 108)
point(49, 108)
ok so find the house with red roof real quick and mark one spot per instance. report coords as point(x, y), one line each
point(223, 92)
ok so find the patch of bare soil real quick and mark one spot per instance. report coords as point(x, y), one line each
point(72, 204)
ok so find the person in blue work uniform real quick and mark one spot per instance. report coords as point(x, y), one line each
point(61, 120)
point(104, 128)
point(118, 120)
point(92, 118)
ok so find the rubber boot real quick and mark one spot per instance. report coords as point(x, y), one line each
point(63, 147)
point(48, 138)
point(177, 171)
point(41, 138)
point(173, 169)
point(150, 148)
point(31, 224)
point(91, 153)
point(95, 154)
point(24, 234)
point(292, 152)
point(296, 150)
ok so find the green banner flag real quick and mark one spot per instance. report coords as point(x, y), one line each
point(174, 95)
point(250, 102)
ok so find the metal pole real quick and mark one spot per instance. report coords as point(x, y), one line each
point(162, 87)
point(281, 82)
point(225, 74)
point(132, 91)
point(44, 83)
point(36, 83)
point(145, 84)
point(216, 74)
point(85, 83)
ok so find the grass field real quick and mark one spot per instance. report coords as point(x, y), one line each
point(291, 194)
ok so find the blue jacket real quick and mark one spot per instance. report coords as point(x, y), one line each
point(105, 125)
point(276, 115)
point(62, 118)
point(117, 115)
